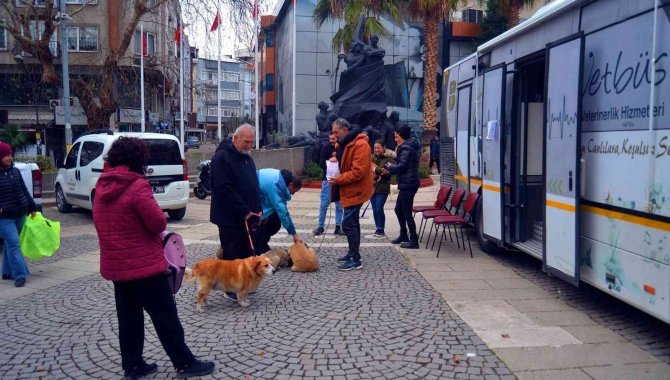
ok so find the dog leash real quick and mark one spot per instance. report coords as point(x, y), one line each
point(246, 225)
point(323, 235)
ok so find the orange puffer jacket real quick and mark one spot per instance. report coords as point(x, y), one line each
point(356, 177)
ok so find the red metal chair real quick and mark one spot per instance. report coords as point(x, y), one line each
point(454, 205)
point(439, 204)
point(454, 220)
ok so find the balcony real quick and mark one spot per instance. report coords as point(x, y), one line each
point(465, 29)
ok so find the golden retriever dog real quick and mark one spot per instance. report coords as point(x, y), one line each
point(304, 258)
point(279, 258)
point(241, 276)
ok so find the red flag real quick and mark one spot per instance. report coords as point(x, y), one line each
point(254, 12)
point(144, 44)
point(215, 24)
point(177, 35)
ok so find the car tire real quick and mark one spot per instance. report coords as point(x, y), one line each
point(61, 203)
point(177, 214)
point(485, 244)
point(199, 192)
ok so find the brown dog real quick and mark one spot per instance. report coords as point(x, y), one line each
point(279, 258)
point(241, 276)
point(304, 258)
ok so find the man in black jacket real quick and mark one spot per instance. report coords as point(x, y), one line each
point(235, 193)
point(406, 170)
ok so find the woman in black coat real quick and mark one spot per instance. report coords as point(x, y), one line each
point(406, 170)
point(15, 203)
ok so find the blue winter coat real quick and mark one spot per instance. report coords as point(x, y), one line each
point(274, 196)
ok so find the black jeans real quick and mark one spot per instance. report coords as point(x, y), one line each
point(352, 228)
point(153, 295)
point(268, 229)
point(235, 243)
point(403, 210)
point(435, 160)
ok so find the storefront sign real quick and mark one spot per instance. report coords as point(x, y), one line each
point(77, 115)
point(130, 116)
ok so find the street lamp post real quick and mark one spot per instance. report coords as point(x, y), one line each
point(62, 18)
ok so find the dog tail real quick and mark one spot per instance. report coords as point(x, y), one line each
point(189, 275)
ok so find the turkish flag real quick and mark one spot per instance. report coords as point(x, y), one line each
point(215, 24)
point(144, 44)
point(254, 12)
point(177, 35)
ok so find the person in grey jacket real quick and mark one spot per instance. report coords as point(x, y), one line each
point(15, 203)
point(406, 170)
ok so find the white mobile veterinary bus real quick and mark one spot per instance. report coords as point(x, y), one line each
point(557, 124)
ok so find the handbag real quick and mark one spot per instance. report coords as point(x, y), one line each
point(40, 237)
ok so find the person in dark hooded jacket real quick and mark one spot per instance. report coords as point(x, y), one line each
point(15, 203)
point(235, 194)
point(406, 170)
point(129, 221)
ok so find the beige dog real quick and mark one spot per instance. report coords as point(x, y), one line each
point(279, 258)
point(241, 276)
point(304, 258)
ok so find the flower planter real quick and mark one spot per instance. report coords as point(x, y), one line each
point(425, 182)
point(311, 184)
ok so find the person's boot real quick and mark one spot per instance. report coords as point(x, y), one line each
point(413, 243)
point(400, 239)
point(140, 371)
point(197, 368)
point(317, 231)
point(338, 231)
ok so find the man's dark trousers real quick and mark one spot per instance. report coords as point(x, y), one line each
point(403, 210)
point(352, 228)
point(434, 160)
point(268, 229)
point(235, 243)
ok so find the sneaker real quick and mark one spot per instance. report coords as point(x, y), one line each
point(141, 370)
point(379, 233)
point(344, 258)
point(7, 277)
point(318, 231)
point(338, 231)
point(197, 368)
point(400, 239)
point(230, 295)
point(349, 265)
point(412, 244)
point(20, 283)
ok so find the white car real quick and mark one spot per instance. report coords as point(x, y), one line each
point(32, 177)
point(167, 172)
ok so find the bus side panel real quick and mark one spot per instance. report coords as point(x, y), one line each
point(636, 280)
point(463, 126)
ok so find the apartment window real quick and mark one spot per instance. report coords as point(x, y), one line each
point(269, 82)
point(472, 15)
point(225, 112)
point(81, 38)
point(209, 76)
point(211, 95)
point(269, 38)
point(151, 43)
point(230, 95)
point(3, 39)
point(80, 2)
point(229, 76)
point(35, 3)
point(36, 30)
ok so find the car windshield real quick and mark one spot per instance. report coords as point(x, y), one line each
point(163, 152)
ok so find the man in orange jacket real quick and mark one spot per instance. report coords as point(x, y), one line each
point(355, 185)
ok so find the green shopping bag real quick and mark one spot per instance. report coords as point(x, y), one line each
point(40, 237)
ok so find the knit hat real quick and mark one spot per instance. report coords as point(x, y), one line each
point(5, 150)
point(404, 131)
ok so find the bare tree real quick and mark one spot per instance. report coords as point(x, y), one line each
point(32, 24)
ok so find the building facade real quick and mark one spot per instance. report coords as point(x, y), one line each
point(94, 30)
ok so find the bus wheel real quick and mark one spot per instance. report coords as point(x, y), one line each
point(485, 244)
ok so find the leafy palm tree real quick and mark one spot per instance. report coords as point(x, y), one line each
point(512, 8)
point(14, 137)
point(349, 11)
point(431, 12)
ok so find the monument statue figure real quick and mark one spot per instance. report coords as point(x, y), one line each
point(322, 118)
point(361, 97)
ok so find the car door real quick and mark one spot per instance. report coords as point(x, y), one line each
point(71, 175)
point(90, 169)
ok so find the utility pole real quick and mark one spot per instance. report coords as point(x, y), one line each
point(62, 17)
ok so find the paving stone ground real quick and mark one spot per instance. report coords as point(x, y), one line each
point(385, 321)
